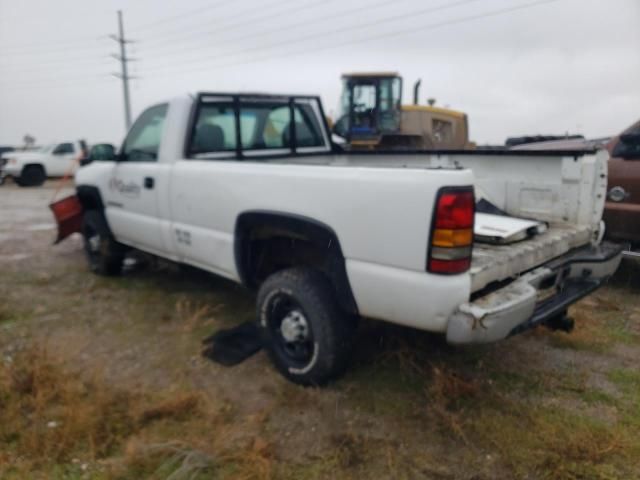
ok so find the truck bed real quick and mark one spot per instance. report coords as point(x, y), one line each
point(492, 263)
point(565, 189)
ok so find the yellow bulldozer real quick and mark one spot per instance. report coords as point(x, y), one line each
point(372, 117)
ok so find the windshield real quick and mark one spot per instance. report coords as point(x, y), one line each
point(45, 148)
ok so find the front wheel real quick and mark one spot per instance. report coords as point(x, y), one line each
point(32, 176)
point(306, 333)
point(105, 255)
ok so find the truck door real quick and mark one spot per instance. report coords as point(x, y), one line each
point(622, 210)
point(132, 193)
point(61, 160)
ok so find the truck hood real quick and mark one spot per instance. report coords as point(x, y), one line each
point(23, 155)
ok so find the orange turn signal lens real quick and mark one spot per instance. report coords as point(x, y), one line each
point(443, 237)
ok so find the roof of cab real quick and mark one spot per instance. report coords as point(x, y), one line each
point(370, 74)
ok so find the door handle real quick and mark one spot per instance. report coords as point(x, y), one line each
point(148, 182)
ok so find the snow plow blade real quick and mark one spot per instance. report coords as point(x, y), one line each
point(68, 215)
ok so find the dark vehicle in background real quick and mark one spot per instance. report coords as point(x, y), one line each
point(622, 210)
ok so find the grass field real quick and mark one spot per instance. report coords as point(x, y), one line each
point(101, 378)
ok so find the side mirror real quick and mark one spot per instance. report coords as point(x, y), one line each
point(104, 152)
point(628, 147)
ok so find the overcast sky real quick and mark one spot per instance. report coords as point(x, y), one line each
point(515, 66)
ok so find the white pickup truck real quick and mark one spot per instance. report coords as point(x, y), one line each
point(251, 188)
point(31, 168)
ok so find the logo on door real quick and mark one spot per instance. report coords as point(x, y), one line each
point(127, 189)
point(183, 237)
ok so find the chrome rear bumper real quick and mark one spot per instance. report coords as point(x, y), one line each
point(536, 297)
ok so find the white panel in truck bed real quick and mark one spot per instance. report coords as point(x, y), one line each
point(502, 229)
point(492, 263)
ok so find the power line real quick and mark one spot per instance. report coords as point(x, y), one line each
point(85, 80)
point(172, 18)
point(395, 33)
point(297, 24)
point(80, 43)
point(180, 33)
point(54, 62)
point(428, 27)
point(323, 34)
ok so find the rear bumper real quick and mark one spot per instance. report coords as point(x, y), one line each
point(536, 297)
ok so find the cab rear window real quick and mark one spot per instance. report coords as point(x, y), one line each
point(241, 127)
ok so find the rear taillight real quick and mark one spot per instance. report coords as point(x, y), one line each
point(452, 233)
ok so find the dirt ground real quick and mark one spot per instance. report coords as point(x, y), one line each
point(103, 378)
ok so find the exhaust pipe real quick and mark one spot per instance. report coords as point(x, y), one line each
point(416, 91)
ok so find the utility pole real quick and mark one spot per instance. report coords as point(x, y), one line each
point(124, 75)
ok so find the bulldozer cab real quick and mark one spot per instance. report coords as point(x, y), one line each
point(370, 107)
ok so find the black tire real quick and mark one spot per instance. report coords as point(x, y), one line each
point(32, 176)
point(104, 254)
point(314, 345)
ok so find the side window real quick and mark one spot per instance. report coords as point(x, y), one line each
point(215, 129)
point(268, 126)
point(628, 145)
point(264, 125)
point(63, 149)
point(143, 141)
point(308, 129)
point(276, 128)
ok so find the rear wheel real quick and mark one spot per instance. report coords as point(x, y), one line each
point(307, 335)
point(31, 176)
point(104, 254)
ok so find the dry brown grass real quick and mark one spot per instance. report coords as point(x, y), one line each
point(170, 460)
point(51, 419)
point(179, 407)
point(530, 438)
point(193, 315)
point(5, 313)
point(446, 394)
point(590, 334)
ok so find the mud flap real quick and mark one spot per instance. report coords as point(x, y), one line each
point(68, 214)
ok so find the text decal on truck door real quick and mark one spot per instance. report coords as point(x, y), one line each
point(183, 237)
point(128, 189)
